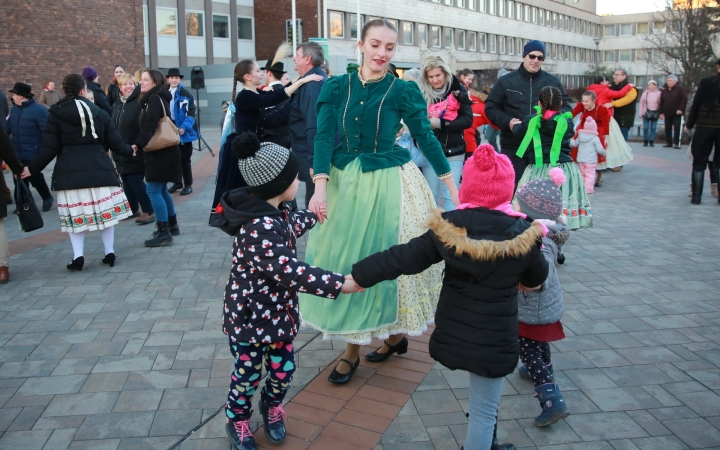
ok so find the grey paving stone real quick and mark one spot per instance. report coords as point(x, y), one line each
point(435, 402)
point(648, 355)
point(705, 404)
point(636, 375)
point(605, 358)
point(695, 433)
point(95, 444)
point(167, 423)
point(65, 384)
point(129, 401)
point(405, 429)
point(26, 440)
point(102, 382)
point(589, 378)
point(28, 369)
point(615, 425)
point(442, 438)
point(81, 404)
point(60, 438)
point(622, 399)
point(192, 398)
point(649, 423)
point(157, 379)
point(663, 442)
point(115, 425)
point(62, 422)
point(149, 443)
point(673, 413)
point(558, 433)
point(26, 419)
point(708, 377)
point(123, 363)
point(75, 366)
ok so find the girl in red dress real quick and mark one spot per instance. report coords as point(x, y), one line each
point(590, 107)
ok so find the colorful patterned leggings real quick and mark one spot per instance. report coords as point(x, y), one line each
point(536, 357)
point(279, 360)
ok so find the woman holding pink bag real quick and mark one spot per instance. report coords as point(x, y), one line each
point(450, 114)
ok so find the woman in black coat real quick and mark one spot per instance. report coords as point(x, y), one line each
point(88, 189)
point(437, 83)
point(126, 117)
point(7, 154)
point(161, 166)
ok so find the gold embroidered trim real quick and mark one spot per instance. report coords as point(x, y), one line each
point(319, 176)
point(445, 175)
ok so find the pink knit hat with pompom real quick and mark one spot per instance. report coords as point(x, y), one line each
point(590, 126)
point(542, 198)
point(488, 178)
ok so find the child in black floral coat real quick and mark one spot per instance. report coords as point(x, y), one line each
point(260, 313)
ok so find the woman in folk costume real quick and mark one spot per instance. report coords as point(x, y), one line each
point(370, 196)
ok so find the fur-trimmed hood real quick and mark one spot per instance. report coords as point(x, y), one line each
point(488, 249)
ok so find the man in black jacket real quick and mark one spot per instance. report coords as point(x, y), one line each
point(514, 96)
point(299, 114)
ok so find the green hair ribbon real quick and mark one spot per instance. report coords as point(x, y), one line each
point(533, 132)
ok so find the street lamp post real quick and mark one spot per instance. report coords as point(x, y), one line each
point(597, 55)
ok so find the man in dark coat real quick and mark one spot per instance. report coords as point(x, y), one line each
point(299, 114)
point(625, 106)
point(100, 99)
point(513, 97)
point(27, 125)
point(673, 101)
point(704, 117)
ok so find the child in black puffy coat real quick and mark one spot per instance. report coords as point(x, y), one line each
point(260, 313)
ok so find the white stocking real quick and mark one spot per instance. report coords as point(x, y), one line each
point(108, 237)
point(78, 243)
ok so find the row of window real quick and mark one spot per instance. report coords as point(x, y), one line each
point(626, 29)
point(527, 13)
point(435, 36)
point(627, 55)
point(166, 19)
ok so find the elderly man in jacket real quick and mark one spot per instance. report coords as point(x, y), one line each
point(673, 102)
point(513, 97)
point(27, 125)
point(299, 114)
point(182, 110)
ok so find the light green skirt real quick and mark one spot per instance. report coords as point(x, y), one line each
point(576, 211)
point(370, 212)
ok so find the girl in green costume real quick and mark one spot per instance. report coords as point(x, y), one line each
point(547, 138)
point(370, 196)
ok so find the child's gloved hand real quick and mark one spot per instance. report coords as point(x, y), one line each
point(350, 286)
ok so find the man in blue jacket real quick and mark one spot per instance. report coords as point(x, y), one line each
point(513, 97)
point(299, 113)
point(27, 126)
point(182, 110)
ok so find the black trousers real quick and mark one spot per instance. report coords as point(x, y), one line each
point(37, 180)
point(704, 140)
point(672, 123)
point(185, 155)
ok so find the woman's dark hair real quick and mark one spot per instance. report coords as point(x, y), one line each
point(376, 23)
point(119, 67)
point(72, 85)
point(464, 73)
point(158, 78)
point(550, 99)
point(242, 68)
point(599, 79)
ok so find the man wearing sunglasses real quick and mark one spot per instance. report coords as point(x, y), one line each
point(514, 96)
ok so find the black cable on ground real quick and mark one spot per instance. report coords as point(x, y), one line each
point(202, 424)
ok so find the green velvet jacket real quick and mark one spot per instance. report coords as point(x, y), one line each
point(368, 118)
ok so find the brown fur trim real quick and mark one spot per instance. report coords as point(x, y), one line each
point(482, 250)
point(481, 95)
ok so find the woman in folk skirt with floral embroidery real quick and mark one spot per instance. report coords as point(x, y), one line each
point(88, 189)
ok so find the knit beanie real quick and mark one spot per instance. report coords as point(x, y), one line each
point(542, 198)
point(533, 46)
point(269, 169)
point(488, 178)
point(590, 126)
point(89, 73)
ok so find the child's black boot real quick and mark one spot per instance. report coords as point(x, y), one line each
point(561, 257)
point(240, 435)
point(273, 421)
point(553, 405)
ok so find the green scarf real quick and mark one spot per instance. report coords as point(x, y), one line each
point(533, 132)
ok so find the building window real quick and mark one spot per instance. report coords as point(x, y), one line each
point(461, 3)
point(554, 20)
point(572, 24)
point(195, 24)
point(577, 54)
point(501, 8)
point(641, 55)
point(337, 24)
point(534, 15)
point(609, 30)
point(493, 6)
point(501, 45)
point(394, 23)
point(584, 27)
point(166, 21)
point(641, 81)
point(221, 25)
point(519, 46)
point(561, 21)
point(245, 28)
point(541, 17)
point(567, 52)
point(625, 55)
point(626, 29)
point(511, 9)
point(354, 25)
point(435, 36)
point(449, 2)
point(527, 13)
point(448, 36)
point(145, 20)
point(609, 56)
point(483, 42)
point(518, 11)
point(643, 28)
point(567, 22)
point(472, 6)
point(511, 46)
point(460, 40)
point(659, 27)
point(493, 43)
point(483, 5)
point(422, 33)
point(408, 33)
point(472, 41)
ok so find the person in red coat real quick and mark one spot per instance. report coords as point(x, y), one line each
point(606, 95)
point(591, 107)
point(467, 77)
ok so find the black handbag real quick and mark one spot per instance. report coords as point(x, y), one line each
point(652, 115)
point(28, 214)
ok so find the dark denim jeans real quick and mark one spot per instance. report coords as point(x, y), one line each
point(136, 193)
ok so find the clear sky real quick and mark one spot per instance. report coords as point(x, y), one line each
point(617, 7)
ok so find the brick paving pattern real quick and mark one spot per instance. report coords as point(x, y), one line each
point(132, 357)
